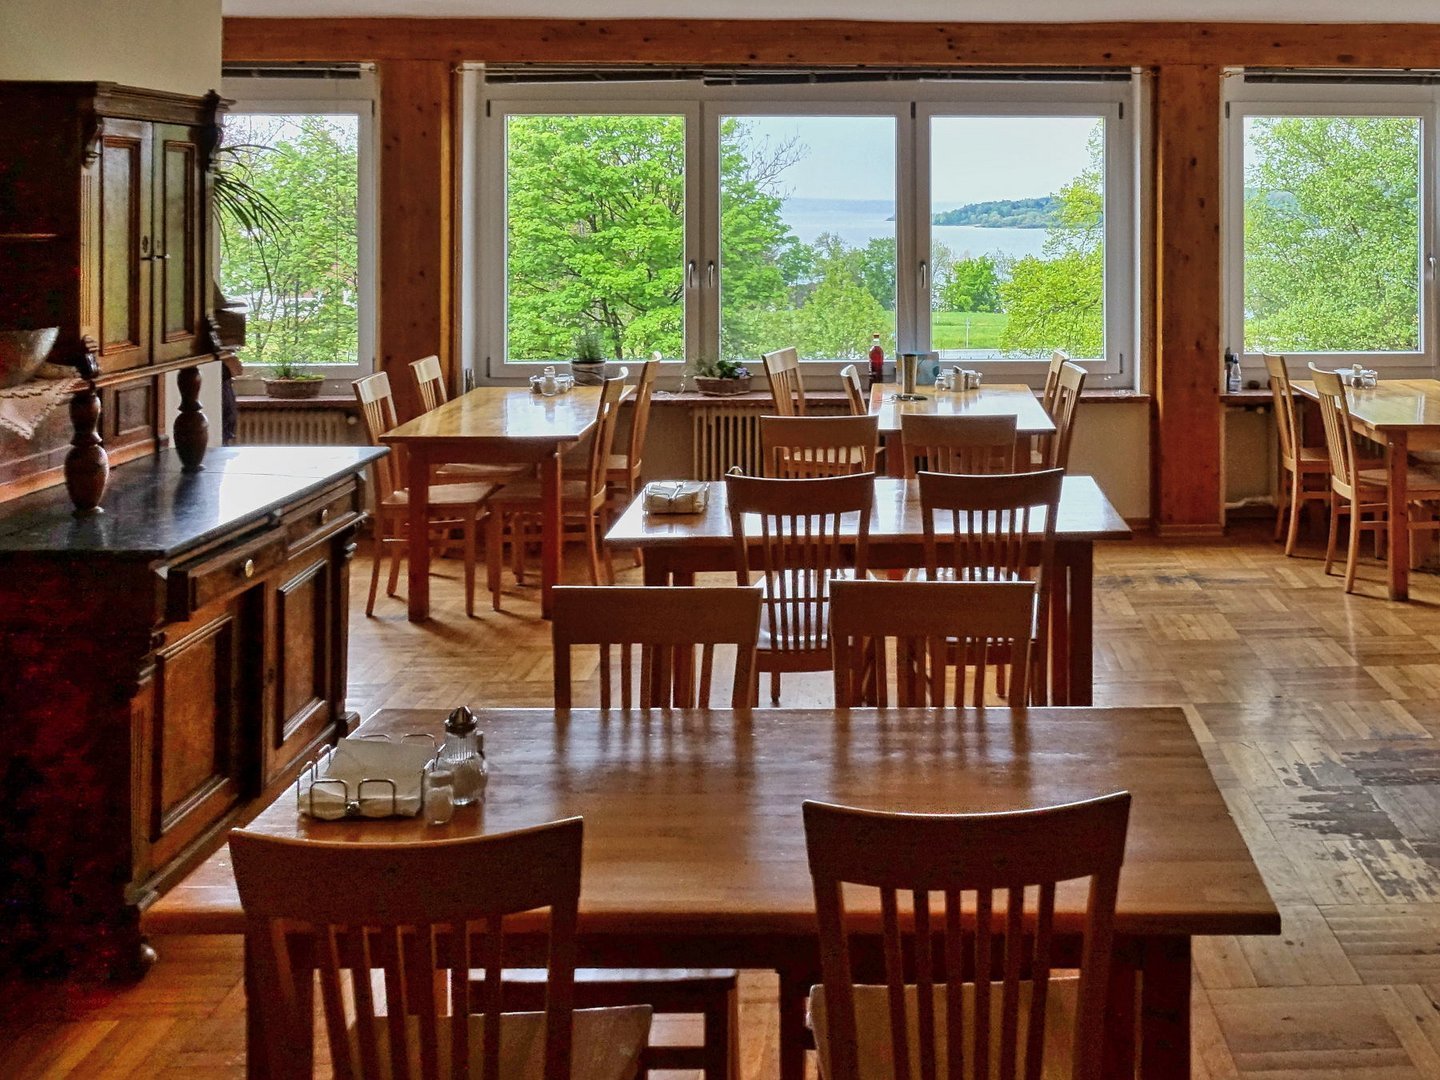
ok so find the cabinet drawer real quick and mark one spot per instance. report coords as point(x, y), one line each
point(223, 573)
point(320, 517)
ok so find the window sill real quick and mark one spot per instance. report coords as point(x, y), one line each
point(323, 401)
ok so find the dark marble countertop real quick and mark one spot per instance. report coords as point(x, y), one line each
point(154, 510)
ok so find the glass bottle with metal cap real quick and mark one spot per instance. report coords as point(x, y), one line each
point(463, 754)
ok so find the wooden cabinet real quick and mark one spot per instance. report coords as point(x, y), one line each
point(168, 664)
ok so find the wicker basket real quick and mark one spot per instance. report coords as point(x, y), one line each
point(708, 384)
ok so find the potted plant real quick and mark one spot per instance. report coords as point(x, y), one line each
point(722, 378)
point(589, 362)
point(289, 380)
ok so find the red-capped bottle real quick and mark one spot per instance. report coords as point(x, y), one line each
point(877, 359)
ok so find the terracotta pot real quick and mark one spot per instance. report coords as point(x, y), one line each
point(708, 384)
point(293, 388)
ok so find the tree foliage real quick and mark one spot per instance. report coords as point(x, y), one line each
point(300, 281)
point(971, 285)
point(1332, 254)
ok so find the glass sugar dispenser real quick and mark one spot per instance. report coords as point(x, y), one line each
point(463, 755)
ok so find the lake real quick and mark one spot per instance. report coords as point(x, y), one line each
point(857, 221)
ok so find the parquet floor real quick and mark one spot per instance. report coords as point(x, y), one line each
point(1319, 715)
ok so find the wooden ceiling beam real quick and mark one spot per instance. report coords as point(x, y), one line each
point(834, 42)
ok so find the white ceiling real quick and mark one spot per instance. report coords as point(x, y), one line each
point(918, 10)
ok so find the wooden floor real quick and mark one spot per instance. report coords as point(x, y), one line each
point(1319, 715)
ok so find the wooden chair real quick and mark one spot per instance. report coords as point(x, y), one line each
point(352, 910)
point(996, 528)
point(800, 552)
point(1356, 490)
point(668, 624)
point(938, 1013)
point(783, 369)
point(430, 385)
point(585, 499)
point(854, 390)
point(623, 472)
point(1298, 463)
point(1058, 359)
point(809, 446)
point(958, 444)
point(450, 505)
point(979, 629)
point(1056, 451)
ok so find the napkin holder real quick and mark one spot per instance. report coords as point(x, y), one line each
point(676, 497)
point(366, 776)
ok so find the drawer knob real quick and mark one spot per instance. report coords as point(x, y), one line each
point(324, 515)
point(248, 569)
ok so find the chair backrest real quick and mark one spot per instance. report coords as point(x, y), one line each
point(999, 527)
point(1058, 359)
point(957, 857)
point(980, 629)
point(377, 409)
point(429, 382)
point(602, 437)
point(958, 444)
point(802, 547)
point(668, 624)
point(807, 446)
point(1339, 437)
point(854, 390)
point(362, 906)
point(640, 417)
point(1067, 405)
point(1284, 397)
point(783, 369)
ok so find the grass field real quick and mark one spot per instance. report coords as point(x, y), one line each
point(966, 329)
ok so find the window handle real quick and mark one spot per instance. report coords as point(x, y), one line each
point(924, 274)
point(710, 273)
point(692, 274)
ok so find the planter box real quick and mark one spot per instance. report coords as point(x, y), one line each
point(588, 373)
point(293, 388)
point(707, 384)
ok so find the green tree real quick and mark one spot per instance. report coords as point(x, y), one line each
point(840, 313)
point(877, 270)
point(300, 282)
point(1057, 301)
point(1332, 253)
point(972, 285)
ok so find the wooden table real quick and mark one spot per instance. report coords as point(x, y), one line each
point(695, 854)
point(1402, 415)
point(677, 546)
point(493, 425)
point(1031, 419)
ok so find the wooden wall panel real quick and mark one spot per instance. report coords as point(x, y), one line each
point(417, 228)
point(1187, 443)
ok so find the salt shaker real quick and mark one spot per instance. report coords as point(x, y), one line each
point(463, 754)
point(548, 383)
point(439, 794)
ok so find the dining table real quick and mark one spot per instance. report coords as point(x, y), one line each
point(1031, 420)
point(499, 425)
point(695, 848)
point(675, 547)
point(1402, 415)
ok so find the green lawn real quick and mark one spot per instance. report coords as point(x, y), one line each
point(966, 329)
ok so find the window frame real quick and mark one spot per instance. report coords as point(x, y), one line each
point(911, 101)
point(1321, 98)
point(261, 96)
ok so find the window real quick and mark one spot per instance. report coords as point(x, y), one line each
point(295, 210)
point(991, 222)
point(1328, 213)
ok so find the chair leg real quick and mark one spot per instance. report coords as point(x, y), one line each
point(394, 583)
point(378, 554)
point(592, 547)
point(1352, 551)
point(1334, 528)
point(1296, 505)
point(494, 554)
point(604, 526)
point(722, 1046)
point(1286, 481)
point(517, 547)
point(775, 687)
point(472, 526)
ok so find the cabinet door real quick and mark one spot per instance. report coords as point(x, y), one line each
point(302, 713)
point(178, 270)
point(123, 259)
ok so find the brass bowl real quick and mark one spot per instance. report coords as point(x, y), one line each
point(22, 352)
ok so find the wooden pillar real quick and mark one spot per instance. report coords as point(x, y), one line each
point(1187, 474)
point(416, 220)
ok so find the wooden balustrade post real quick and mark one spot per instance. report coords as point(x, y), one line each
point(87, 465)
point(192, 429)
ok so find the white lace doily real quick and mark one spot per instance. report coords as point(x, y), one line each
point(23, 408)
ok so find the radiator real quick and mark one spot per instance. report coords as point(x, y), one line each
point(725, 435)
point(298, 427)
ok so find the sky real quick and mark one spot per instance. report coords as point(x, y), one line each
point(974, 159)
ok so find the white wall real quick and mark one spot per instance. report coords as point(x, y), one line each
point(155, 44)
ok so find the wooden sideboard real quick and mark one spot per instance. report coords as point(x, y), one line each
point(165, 667)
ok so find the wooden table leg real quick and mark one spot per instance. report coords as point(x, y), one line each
point(1120, 1017)
point(1165, 1009)
point(1058, 661)
point(418, 558)
point(552, 524)
point(894, 454)
point(795, 986)
point(1082, 625)
point(1397, 456)
point(300, 1050)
